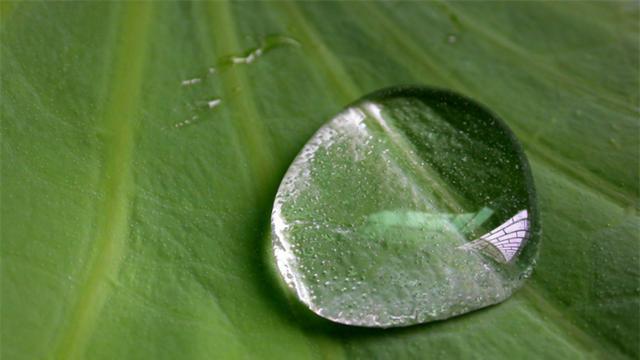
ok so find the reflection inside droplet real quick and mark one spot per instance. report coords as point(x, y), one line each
point(504, 242)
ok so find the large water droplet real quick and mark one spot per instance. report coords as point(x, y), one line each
point(411, 205)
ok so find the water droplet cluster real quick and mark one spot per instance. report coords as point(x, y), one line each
point(267, 44)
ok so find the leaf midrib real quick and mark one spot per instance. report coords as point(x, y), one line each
point(116, 183)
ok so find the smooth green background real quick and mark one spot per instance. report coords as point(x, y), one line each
point(124, 237)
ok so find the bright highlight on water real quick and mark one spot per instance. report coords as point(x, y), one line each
point(409, 206)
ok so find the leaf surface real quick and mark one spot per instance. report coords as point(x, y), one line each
point(124, 236)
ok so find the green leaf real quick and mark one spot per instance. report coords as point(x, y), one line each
point(124, 236)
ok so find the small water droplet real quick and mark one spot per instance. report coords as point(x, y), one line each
point(186, 122)
point(249, 56)
point(190, 82)
point(213, 103)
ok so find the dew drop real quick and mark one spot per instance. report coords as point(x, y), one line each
point(213, 103)
point(409, 204)
point(249, 56)
point(190, 82)
point(187, 122)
